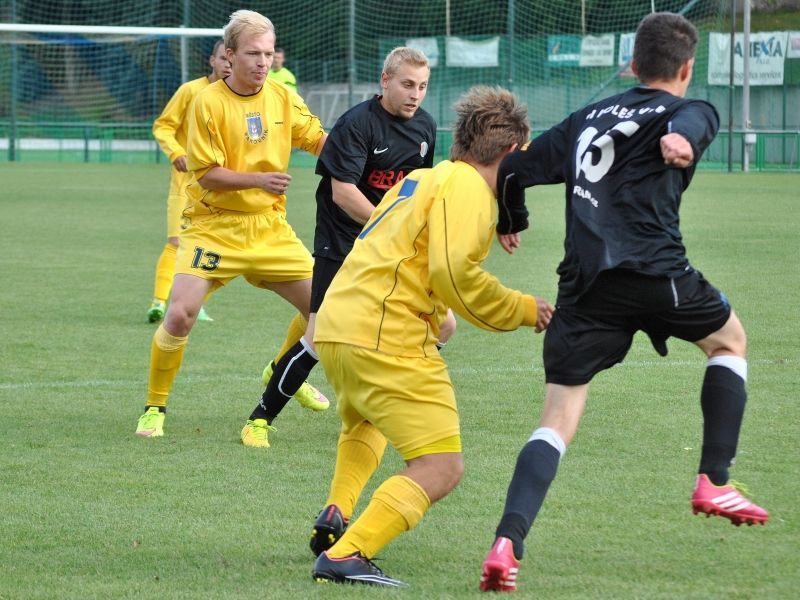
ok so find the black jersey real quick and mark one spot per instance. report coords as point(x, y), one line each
point(622, 201)
point(372, 149)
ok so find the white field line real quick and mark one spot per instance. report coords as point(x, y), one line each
point(232, 377)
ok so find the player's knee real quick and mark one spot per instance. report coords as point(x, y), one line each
point(438, 474)
point(730, 339)
point(179, 321)
point(448, 480)
point(458, 473)
point(454, 472)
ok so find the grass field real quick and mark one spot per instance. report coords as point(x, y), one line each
point(91, 511)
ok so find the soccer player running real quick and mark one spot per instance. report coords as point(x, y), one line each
point(171, 130)
point(371, 147)
point(625, 161)
point(241, 133)
point(420, 252)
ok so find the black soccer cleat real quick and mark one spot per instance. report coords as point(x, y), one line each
point(355, 568)
point(328, 528)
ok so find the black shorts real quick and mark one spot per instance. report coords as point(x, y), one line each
point(325, 270)
point(596, 332)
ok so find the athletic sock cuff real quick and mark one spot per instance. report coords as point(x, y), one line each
point(404, 495)
point(369, 439)
point(737, 364)
point(168, 342)
point(550, 436)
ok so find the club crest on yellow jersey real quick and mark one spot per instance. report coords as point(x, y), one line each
point(255, 130)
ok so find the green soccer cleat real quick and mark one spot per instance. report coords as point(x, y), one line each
point(203, 315)
point(255, 433)
point(156, 311)
point(308, 396)
point(151, 423)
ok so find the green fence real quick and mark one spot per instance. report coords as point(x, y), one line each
point(774, 150)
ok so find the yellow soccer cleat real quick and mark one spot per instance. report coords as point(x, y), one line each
point(151, 423)
point(308, 396)
point(254, 433)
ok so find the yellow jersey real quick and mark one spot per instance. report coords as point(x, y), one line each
point(419, 253)
point(248, 134)
point(171, 128)
point(284, 76)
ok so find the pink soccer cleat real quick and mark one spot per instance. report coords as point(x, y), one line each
point(725, 501)
point(500, 568)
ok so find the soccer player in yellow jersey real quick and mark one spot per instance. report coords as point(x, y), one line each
point(171, 130)
point(241, 133)
point(419, 253)
point(280, 73)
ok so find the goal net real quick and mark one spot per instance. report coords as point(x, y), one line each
point(96, 86)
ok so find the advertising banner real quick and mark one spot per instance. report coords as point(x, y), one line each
point(767, 51)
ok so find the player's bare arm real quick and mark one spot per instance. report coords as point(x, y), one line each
point(676, 150)
point(349, 198)
point(222, 179)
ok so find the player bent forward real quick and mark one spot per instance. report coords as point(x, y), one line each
point(420, 252)
point(626, 161)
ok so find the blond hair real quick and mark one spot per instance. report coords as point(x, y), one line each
point(245, 21)
point(403, 55)
point(490, 119)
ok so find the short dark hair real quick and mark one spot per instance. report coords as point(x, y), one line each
point(664, 41)
point(217, 44)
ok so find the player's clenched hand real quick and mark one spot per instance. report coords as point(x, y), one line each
point(180, 164)
point(276, 183)
point(676, 150)
point(544, 313)
point(509, 241)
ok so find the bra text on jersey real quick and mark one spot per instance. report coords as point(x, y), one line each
point(383, 180)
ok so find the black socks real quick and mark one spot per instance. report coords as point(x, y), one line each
point(722, 400)
point(287, 376)
point(536, 468)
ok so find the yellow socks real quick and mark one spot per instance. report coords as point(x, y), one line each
point(358, 455)
point(166, 354)
point(396, 506)
point(296, 330)
point(165, 271)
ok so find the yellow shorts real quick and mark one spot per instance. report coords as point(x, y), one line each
point(176, 202)
point(409, 400)
point(261, 247)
